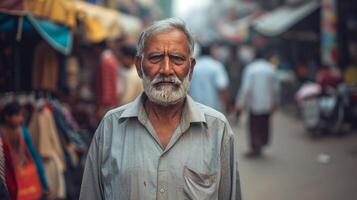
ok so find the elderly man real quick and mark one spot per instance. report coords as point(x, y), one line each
point(163, 145)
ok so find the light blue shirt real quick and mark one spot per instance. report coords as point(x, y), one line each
point(208, 79)
point(260, 89)
point(126, 160)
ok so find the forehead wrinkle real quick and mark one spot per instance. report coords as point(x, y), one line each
point(167, 41)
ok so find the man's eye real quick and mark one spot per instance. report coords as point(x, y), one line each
point(155, 59)
point(177, 59)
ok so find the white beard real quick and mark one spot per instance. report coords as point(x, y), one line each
point(167, 93)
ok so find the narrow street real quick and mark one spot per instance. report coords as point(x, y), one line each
point(296, 166)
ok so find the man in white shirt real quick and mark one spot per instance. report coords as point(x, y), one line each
point(259, 94)
point(209, 84)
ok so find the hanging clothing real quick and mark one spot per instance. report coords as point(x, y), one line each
point(44, 134)
point(35, 156)
point(45, 68)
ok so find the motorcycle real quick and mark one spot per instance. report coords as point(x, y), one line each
point(323, 110)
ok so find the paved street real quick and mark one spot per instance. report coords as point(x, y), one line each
point(290, 169)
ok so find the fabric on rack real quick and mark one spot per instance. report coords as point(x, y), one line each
point(70, 119)
point(36, 157)
point(46, 139)
point(72, 72)
point(45, 68)
point(62, 125)
point(62, 75)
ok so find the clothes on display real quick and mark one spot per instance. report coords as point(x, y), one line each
point(51, 155)
point(57, 143)
point(45, 68)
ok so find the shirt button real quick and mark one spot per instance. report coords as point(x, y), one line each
point(162, 190)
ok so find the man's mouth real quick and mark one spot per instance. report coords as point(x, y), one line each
point(166, 82)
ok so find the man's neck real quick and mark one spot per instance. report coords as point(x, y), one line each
point(165, 119)
point(164, 113)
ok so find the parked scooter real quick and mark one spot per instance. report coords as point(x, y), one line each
point(323, 110)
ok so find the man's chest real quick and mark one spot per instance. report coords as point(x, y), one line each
point(140, 168)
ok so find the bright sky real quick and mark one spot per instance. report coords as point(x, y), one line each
point(182, 7)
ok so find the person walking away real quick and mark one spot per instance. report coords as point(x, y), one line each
point(209, 84)
point(259, 94)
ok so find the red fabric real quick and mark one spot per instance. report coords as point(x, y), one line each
point(10, 173)
point(107, 78)
point(21, 173)
point(28, 182)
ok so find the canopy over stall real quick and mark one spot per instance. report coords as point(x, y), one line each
point(283, 18)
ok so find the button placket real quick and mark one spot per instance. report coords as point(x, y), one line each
point(162, 185)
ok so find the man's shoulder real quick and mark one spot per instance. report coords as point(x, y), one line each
point(117, 112)
point(210, 112)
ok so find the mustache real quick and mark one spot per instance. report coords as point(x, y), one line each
point(166, 79)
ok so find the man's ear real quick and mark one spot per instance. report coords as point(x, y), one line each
point(193, 63)
point(137, 61)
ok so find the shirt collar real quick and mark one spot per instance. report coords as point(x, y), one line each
point(191, 112)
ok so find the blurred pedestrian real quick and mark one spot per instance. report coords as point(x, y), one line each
point(107, 92)
point(144, 150)
point(209, 84)
point(132, 83)
point(259, 94)
point(24, 172)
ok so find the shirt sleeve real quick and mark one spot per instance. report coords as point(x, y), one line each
point(92, 188)
point(229, 187)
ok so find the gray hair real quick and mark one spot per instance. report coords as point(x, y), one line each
point(162, 26)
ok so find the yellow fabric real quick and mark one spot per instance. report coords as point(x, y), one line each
point(47, 142)
point(101, 23)
point(60, 11)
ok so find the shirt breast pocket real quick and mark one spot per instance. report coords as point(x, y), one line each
point(199, 186)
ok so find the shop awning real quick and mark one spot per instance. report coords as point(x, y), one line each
point(281, 19)
point(60, 11)
point(100, 23)
point(58, 36)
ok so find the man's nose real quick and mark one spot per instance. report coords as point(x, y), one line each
point(166, 67)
